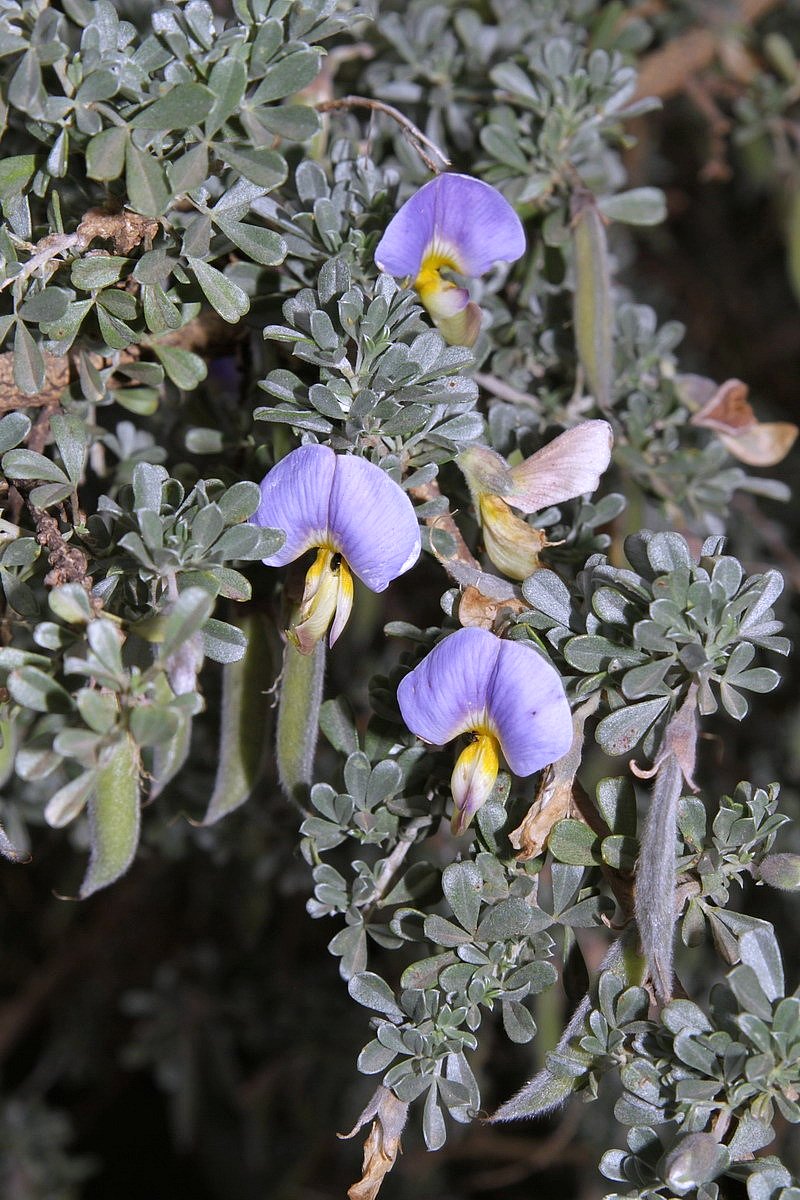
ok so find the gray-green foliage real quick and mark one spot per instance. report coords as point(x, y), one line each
point(161, 175)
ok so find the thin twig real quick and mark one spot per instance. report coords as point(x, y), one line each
point(415, 135)
point(504, 391)
point(392, 864)
point(430, 491)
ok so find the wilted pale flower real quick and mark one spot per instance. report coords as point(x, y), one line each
point(504, 694)
point(567, 467)
point(358, 519)
point(454, 223)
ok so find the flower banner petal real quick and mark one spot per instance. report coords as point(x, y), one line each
point(478, 221)
point(295, 497)
point(568, 466)
point(447, 693)
point(372, 522)
point(408, 234)
point(469, 218)
point(528, 708)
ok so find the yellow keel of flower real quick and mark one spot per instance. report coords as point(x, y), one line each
point(474, 777)
point(327, 601)
point(512, 544)
point(457, 317)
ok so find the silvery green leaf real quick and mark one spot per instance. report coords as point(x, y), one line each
point(294, 72)
point(187, 616)
point(14, 427)
point(433, 1126)
point(48, 305)
point(373, 992)
point(15, 174)
point(639, 206)
point(72, 438)
point(261, 165)
point(184, 368)
point(222, 294)
point(759, 950)
point(261, 245)
point(375, 1058)
point(517, 1021)
point(337, 723)
point(105, 153)
point(113, 818)
point(189, 171)
point(573, 842)
point(152, 725)
point(90, 274)
point(546, 593)
point(509, 919)
point(70, 800)
point(222, 642)
point(462, 884)
point(34, 689)
point(146, 184)
point(227, 81)
point(621, 730)
point(183, 105)
point(695, 1160)
point(29, 368)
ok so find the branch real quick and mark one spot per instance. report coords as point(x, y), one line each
point(415, 135)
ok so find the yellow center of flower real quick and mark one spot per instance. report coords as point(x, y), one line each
point(429, 283)
point(327, 601)
point(456, 316)
point(474, 776)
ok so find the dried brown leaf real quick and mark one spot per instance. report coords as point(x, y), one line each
point(382, 1145)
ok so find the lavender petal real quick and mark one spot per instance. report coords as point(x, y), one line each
point(447, 693)
point(529, 709)
point(295, 497)
point(372, 522)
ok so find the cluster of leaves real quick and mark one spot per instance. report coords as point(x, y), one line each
point(644, 636)
point(180, 127)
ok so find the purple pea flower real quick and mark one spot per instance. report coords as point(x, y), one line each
point(504, 694)
point(357, 518)
point(455, 223)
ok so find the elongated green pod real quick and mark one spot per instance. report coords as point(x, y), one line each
point(114, 818)
point(298, 716)
point(593, 311)
point(8, 746)
point(246, 719)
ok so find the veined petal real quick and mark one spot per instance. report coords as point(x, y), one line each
point(528, 708)
point(372, 522)
point(512, 544)
point(447, 693)
point(568, 466)
point(320, 603)
point(344, 601)
point(295, 497)
point(465, 215)
point(463, 328)
point(473, 778)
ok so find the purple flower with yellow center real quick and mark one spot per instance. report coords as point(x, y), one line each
point(454, 223)
point(359, 520)
point(503, 694)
